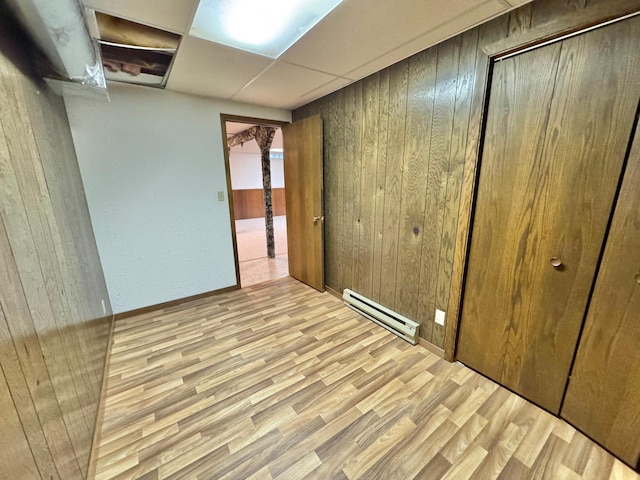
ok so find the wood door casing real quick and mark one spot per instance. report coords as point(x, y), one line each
point(603, 397)
point(557, 129)
point(303, 193)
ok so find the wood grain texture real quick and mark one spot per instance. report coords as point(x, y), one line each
point(431, 139)
point(444, 103)
point(607, 365)
point(250, 203)
point(521, 317)
point(550, 20)
point(458, 147)
point(280, 381)
point(486, 33)
point(334, 146)
point(53, 332)
point(356, 182)
point(304, 198)
point(119, 30)
point(416, 173)
point(381, 175)
point(368, 183)
point(398, 88)
point(345, 230)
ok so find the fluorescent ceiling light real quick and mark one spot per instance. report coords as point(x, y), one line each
point(265, 27)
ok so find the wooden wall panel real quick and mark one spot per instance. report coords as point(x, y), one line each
point(381, 173)
point(440, 146)
point(334, 183)
point(368, 181)
point(250, 203)
point(53, 331)
point(415, 178)
point(402, 159)
point(398, 88)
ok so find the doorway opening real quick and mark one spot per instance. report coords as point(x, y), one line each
point(257, 192)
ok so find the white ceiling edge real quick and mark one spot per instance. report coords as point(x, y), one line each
point(328, 89)
point(129, 10)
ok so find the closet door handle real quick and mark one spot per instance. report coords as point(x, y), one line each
point(556, 262)
point(638, 279)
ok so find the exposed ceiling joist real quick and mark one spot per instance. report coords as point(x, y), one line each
point(262, 135)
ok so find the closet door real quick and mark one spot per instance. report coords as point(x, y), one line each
point(603, 398)
point(557, 130)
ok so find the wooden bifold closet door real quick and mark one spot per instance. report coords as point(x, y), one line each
point(557, 130)
point(603, 398)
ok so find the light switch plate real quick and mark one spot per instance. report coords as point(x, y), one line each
point(440, 317)
point(221, 196)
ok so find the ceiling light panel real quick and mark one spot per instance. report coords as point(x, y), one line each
point(265, 27)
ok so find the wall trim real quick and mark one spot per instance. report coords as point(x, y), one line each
point(556, 29)
point(436, 350)
point(173, 303)
point(333, 292)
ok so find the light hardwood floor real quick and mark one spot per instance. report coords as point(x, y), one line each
point(280, 381)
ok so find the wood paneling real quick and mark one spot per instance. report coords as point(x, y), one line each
point(305, 218)
point(216, 389)
point(552, 158)
point(603, 397)
point(250, 203)
point(397, 219)
point(53, 332)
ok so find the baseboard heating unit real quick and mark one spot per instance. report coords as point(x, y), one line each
point(386, 318)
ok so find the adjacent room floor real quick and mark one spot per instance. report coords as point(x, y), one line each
point(280, 381)
point(255, 266)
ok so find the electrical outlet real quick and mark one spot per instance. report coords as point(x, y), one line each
point(221, 196)
point(104, 307)
point(439, 317)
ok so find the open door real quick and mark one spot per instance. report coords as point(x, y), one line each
point(303, 195)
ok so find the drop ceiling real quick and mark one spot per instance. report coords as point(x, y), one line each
point(357, 38)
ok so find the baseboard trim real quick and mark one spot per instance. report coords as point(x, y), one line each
point(333, 292)
point(173, 303)
point(431, 347)
point(97, 431)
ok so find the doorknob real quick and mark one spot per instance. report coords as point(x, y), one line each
point(317, 218)
point(556, 262)
point(638, 278)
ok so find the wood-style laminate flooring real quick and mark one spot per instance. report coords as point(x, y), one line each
point(280, 381)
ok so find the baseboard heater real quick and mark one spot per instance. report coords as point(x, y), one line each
point(386, 318)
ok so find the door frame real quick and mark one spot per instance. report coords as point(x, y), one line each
point(224, 118)
point(558, 29)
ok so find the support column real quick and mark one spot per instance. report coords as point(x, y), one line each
point(264, 138)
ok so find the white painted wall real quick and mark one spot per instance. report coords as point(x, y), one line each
point(152, 164)
point(246, 171)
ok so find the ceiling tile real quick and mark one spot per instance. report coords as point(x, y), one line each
point(210, 69)
point(358, 31)
point(282, 85)
point(326, 89)
point(477, 15)
point(174, 15)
